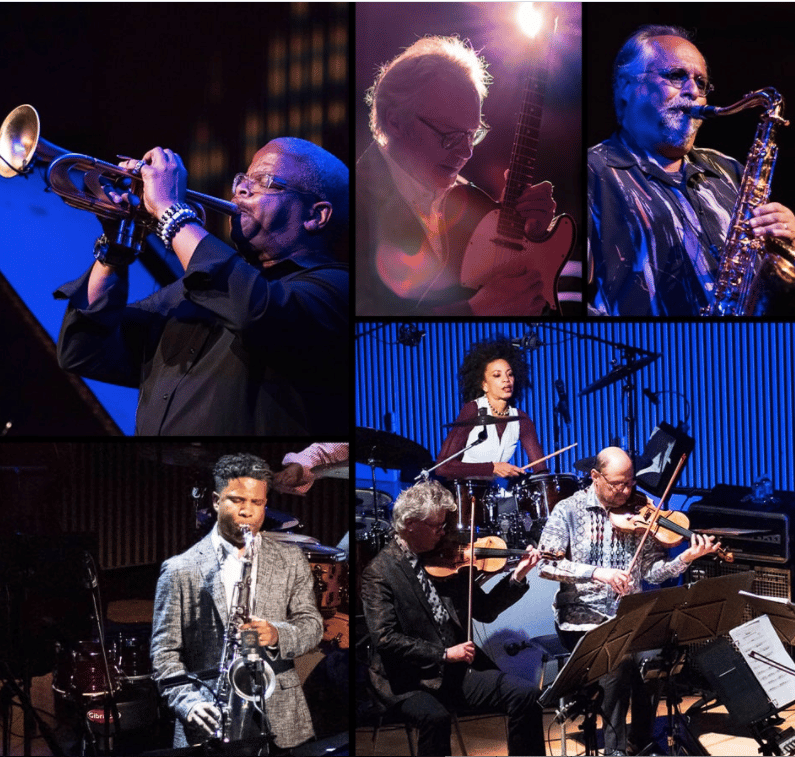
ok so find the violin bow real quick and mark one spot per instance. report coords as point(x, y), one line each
point(546, 457)
point(657, 511)
point(471, 563)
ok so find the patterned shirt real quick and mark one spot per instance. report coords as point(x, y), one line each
point(581, 527)
point(654, 237)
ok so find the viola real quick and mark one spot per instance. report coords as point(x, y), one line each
point(670, 527)
point(491, 556)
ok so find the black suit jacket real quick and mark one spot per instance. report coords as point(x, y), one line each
point(407, 650)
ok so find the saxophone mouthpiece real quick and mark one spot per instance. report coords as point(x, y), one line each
point(248, 537)
point(703, 112)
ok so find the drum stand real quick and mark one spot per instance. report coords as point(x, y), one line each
point(10, 690)
point(111, 712)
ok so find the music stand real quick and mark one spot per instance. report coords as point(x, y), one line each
point(597, 653)
point(684, 615)
point(693, 612)
point(780, 611)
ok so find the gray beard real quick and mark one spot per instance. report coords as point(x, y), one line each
point(678, 128)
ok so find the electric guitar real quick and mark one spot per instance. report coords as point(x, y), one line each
point(489, 236)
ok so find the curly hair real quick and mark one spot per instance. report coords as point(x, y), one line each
point(242, 465)
point(420, 502)
point(473, 368)
point(398, 82)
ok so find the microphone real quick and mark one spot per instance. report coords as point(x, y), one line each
point(484, 432)
point(514, 647)
point(529, 341)
point(90, 581)
point(409, 335)
point(563, 405)
point(653, 397)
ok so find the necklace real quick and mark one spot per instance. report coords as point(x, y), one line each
point(497, 412)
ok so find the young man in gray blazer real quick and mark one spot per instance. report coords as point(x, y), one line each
point(192, 606)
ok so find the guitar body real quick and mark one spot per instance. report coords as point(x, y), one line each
point(472, 234)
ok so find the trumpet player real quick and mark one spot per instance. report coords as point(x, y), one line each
point(659, 207)
point(252, 342)
point(192, 607)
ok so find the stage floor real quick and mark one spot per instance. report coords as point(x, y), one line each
point(486, 736)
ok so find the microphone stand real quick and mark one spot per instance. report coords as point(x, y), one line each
point(111, 711)
point(426, 472)
point(629, 355)
point(556, 413)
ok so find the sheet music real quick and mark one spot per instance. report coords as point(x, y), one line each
point(759, 636)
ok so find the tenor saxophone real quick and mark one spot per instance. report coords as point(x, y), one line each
point(234, 694)
point(745, 259)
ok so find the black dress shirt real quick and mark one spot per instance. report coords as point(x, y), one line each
point(227, 349)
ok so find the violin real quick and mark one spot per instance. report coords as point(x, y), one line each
point(491, 556)
point(669, 529)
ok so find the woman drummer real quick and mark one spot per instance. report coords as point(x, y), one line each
point(492, 376)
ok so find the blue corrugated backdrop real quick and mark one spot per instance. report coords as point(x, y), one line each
point(737, 379)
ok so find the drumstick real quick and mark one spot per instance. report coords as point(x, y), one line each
point(546, 457)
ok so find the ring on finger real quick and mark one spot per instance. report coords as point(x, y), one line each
point(139, 165)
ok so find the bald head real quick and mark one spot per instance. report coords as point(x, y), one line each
point(613, 477)
point(612, 458)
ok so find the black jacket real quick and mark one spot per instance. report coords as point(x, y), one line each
point(407, 650)
point(228, 349)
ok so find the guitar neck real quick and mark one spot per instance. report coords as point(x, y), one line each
point(525, 149)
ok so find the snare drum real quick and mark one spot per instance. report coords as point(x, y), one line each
point(537, 495)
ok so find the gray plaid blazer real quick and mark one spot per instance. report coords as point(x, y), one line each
point(190, 620)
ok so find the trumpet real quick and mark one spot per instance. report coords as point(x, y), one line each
point(83, 182)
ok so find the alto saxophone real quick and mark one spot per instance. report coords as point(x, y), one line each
point(745, 257)
point(241, 665)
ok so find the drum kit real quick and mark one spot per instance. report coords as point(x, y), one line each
point(516, 515)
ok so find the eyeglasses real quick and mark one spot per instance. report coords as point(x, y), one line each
point(261, 183)
point(434, 526)
point(678, 77)
point(619, 486)
point(451, 139)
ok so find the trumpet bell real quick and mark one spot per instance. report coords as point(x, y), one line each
point(19, 136)
point(21, 145)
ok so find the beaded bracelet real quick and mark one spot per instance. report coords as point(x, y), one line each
point(177, 216)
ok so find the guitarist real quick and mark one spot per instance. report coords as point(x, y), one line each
point(426, 119)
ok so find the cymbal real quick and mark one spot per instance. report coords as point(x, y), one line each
point(489, 420)
point(383, 449)
point(275, 520)
point(619, 373)
point(585, 464)
point(331, 470)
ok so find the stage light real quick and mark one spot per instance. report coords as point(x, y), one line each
point(529, 19)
